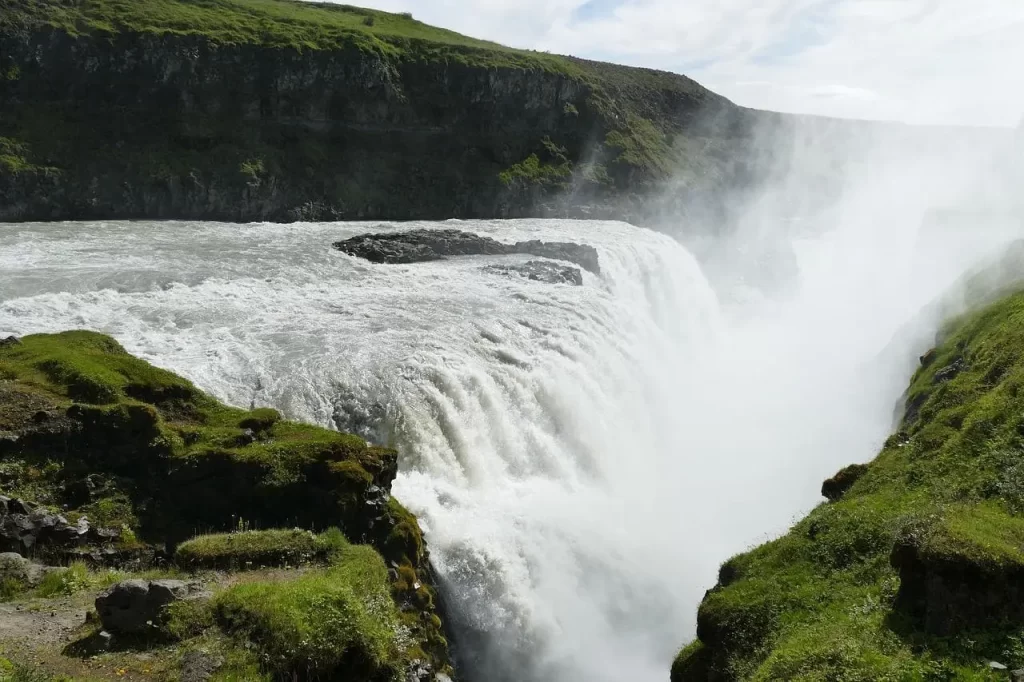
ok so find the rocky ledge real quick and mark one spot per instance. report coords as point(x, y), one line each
point(418, 246)
point(540, 271)
point(125, 462)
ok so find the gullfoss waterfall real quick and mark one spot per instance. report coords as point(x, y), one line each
point(582, 457)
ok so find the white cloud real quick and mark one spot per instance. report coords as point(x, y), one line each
point(925, 61)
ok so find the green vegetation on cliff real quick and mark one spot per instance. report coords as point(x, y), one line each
point(915, 570)
point(287, 110)
point(172, 477)
point(273, 23)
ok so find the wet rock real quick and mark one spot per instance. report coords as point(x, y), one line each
point(135, 606)
point(949, 372)
point(581, 254)
point(834, 488)
point(419, 671)
point(10, 341)
point(417, 246)
point(541, 271)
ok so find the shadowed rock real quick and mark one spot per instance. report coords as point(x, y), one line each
point(834, 488)
point(135, 606)
point(417, 246)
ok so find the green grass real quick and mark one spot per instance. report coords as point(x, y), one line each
point(167, 464)
point(145, 424)
point(821, 603)
point(260, 549)
point(274, 23)
point(338, 622)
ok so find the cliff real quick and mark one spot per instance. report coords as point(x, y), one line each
point(246, 110)
point(914, 568)
point(304, 565)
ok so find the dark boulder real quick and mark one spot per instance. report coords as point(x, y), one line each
point(949, 372)
point(10, 341)
point(23, 529)
point(541, 271)
point(834, 488)
point(135, 606)
point(417, 246)
point(582, 255)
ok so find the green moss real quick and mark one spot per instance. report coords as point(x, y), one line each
point(275, 23)
point(821, 602)
point(260, 548)
point(640, 143)
point(65, 581)
point(175, 459)
point(335, 622)
point(135, 447)
point(551, 173)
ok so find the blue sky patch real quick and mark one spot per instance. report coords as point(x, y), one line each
point(594, 9)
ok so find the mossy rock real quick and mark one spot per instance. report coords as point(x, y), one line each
point(111, 437)
point(177, 460)
point(336, 623)
point(251, 549)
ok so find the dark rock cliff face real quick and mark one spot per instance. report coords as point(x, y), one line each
point(141, 125)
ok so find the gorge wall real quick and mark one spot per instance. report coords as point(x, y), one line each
point(238, 110)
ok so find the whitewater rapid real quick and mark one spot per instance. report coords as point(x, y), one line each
point(581, 458)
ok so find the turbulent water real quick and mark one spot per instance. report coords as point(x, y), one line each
point(581, 458)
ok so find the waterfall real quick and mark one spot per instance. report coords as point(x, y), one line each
point(581, 458)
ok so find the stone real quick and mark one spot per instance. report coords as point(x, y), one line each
point(135, 606)
point(418, 671)
point(13, 566)
point(541, 271)
point(10, 341)
point(25, 530)
point(199, 666)
point(417, 246)
point(949, 372)
point(834, 488)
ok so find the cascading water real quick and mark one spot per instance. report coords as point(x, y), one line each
point(582, 458)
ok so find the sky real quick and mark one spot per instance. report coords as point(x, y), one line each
point(919, 61)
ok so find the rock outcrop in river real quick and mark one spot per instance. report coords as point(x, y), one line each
point(418, 246)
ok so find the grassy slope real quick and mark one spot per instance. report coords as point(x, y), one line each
point(821, 602)
point(163, 460)
point(274, 23)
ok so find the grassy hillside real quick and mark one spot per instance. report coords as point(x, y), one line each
point(272, 23)
point(91, 432)
point(915, 569)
